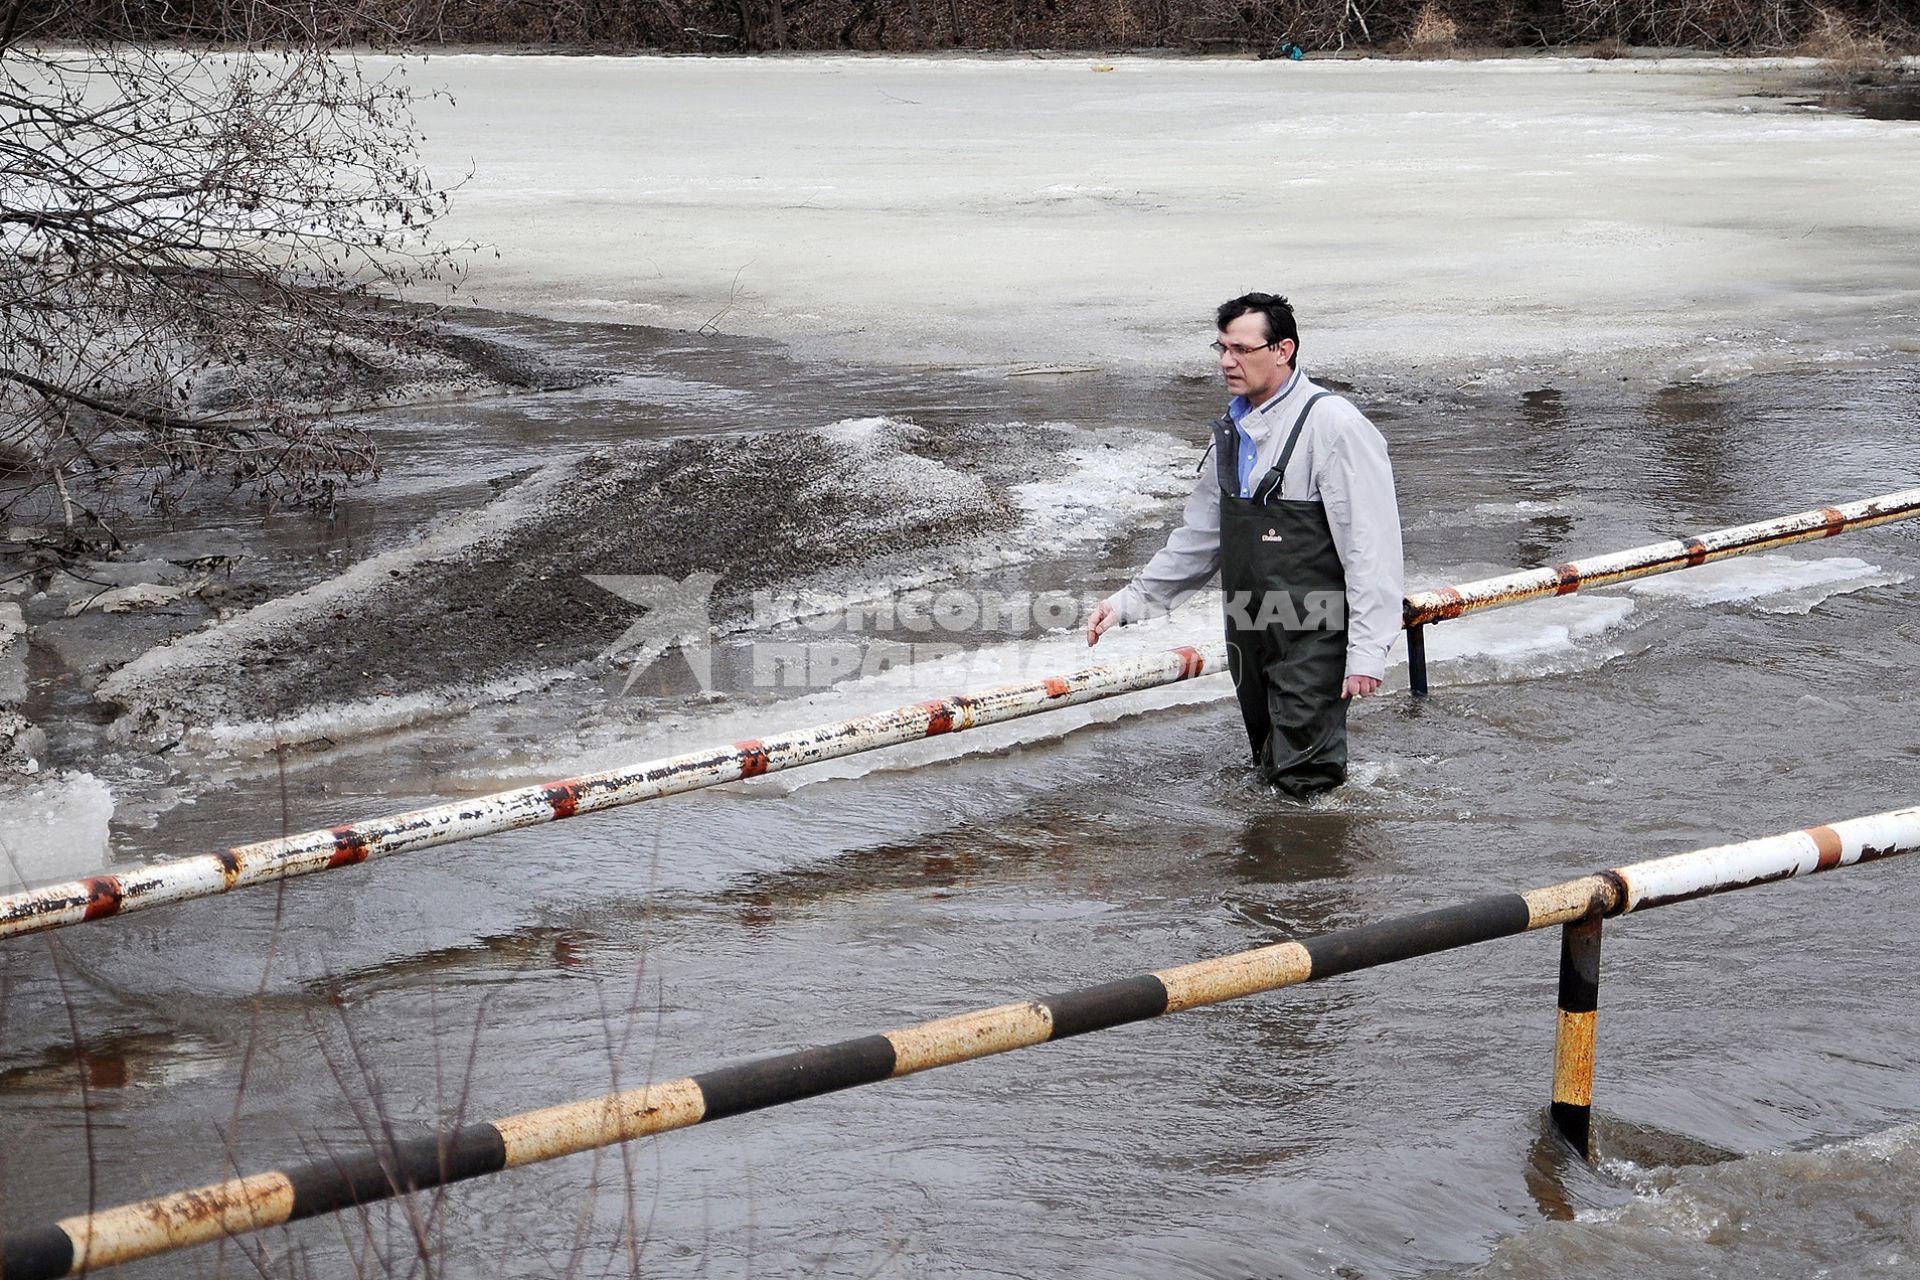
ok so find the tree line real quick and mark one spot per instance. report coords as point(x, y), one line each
point(1260, 26)
point(203, 255)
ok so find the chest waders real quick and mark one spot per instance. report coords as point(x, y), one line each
point(1284, 591)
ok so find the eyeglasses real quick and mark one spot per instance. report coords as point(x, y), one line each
point(1240, 352)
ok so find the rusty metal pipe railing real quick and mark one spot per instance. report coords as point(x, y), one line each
point(89, 1242)
point(205, 875)
point(108, 894)
point(1425, 608)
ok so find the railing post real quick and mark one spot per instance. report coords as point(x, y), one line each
point(1572, 1109)
point(1417, 659)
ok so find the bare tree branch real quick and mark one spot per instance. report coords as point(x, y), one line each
point(192, 239)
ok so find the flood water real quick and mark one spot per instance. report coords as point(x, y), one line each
point(1755, 1097)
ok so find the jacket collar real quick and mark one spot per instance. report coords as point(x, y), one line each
point(1239, 411)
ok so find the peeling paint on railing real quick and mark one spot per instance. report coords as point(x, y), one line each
point(116, 893)
point(1443, 603)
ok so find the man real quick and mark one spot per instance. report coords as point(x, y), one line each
point(1298, 515)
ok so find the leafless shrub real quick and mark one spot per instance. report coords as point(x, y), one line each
point(1708, 24)
point(193, 243)
point(1434, 33)
point(1840, 44)
point(1273, 26)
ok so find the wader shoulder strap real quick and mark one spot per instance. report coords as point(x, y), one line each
point(1270, 483)
point(1224, 445)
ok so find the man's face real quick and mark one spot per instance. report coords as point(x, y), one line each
point(1261, 370)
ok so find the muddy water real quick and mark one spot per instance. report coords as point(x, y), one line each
point(1876, 98)
point(1755, 1094)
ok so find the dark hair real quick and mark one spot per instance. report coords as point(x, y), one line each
point(1277, 310)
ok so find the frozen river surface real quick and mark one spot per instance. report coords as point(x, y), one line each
point(1454, 217)
point(1589, 305)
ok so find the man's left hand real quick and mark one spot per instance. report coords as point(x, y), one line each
point(1358, 686)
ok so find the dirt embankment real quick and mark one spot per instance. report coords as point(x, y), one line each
point(500, 599)
point(52, 568)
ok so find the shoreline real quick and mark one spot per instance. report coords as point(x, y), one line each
point(1904, 60)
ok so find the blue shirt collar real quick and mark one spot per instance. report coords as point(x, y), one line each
point(1238, 409)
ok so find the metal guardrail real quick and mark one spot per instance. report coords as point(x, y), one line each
point(109, 894)
point(204, 875)
point(1424, 608)
point(90, 1242)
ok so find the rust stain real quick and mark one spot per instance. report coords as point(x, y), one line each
point(1437, 605)
point(1617, 892)
point(1827, 841)
point(229, 860)
point(1058, 687)
point(939, 717)
point(112, 1236)
point(1443, 603)
point(349, 847)
point(105, 1070)
point(1284, 964)
point(1869, 853)
point(1573, 1059)
point(564, 797)
point(188, 1207)
point(1192, 663)
point(969, 1035)
point(753, 758)
point(103, 896)
point(533, 1136)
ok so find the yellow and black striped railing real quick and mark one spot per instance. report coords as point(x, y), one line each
point(89, 1242)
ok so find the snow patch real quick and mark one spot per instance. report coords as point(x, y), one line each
point(147, 684)
point(973, 671)
point(53, 829)
point(1513, 635)
point(1108, 482)
point(330, 722)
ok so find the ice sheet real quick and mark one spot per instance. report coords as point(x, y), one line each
point(52, 828)
point(1469, 218)
point(1774, 584)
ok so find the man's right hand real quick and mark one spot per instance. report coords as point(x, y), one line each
point(1104, 616)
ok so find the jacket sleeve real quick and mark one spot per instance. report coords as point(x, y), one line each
point(1356, 484)
point(1183, 566)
